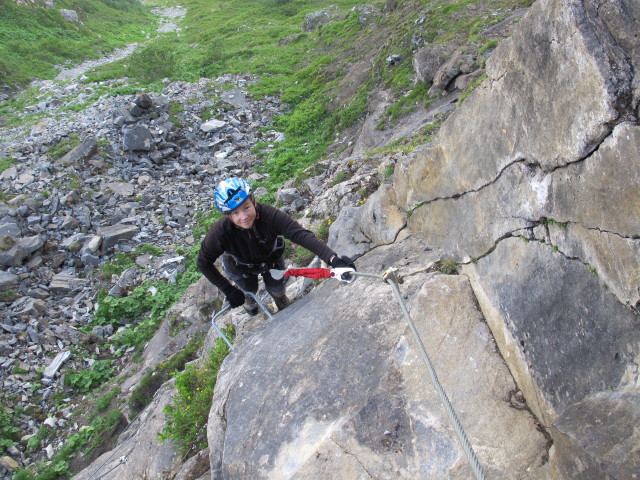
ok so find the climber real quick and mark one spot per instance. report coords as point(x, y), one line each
point(249, 238)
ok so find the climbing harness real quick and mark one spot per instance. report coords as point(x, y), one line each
point(391, 277)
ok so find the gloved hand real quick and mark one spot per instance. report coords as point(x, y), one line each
point(234, 295)
point(342, 262)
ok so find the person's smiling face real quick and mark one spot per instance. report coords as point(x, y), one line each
point(244, 215)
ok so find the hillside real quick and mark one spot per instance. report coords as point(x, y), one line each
point(484, 149)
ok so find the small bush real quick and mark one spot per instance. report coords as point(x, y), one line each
point(86, 380)
point(152, 381)
point(187, 415)
point(153, 62)
point(65, 146)
point(103, 402)
point(323, 229)
point(8, 431)
point(340, 177)
point(448, 266)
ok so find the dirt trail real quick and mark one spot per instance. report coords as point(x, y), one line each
point(168, 18)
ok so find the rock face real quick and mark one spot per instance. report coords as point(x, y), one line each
point(556, 164)
point(334, 386)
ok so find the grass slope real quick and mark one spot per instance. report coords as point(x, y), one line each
point(34, 39)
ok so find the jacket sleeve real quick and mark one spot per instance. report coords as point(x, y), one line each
point(287, 226)
point(210, 251)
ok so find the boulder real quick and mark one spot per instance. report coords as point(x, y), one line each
point(334, 386)
point(8, 281)
point(459, 63)
point(19, 250)
point(115, 233)
point(314, 20)
point(137, 138)
point(428, 60)
point(381, 220)
point(70, 15)
point(81, 153)
point(234, 98)
point(345, 236)
point(66, 282)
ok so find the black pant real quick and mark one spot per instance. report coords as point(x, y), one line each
point(248, 281)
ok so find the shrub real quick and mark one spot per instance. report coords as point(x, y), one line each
point(448, 266)
point(188, 413)
point(152, 381)
point(153, 62)
point(85, 380)
point(8, 431)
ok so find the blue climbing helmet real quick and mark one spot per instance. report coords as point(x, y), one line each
point(230, 193)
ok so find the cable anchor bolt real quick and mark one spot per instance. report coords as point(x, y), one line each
point(392, 274)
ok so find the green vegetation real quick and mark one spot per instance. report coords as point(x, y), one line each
point(205, 220)
point(300, 256)
point(65, 146)
point(103, 403)
point(74, 182)
point(33, 39)
point(8, 296)
point(340, 177)
point(9, 433)
point(551, 221)
point(125, 260)
point(188, 413)
point(5, 163)
point(145, 307)
point(405, 105)
point(86, 380)
point(447, 265)
point(87, 440)
point(153, 380)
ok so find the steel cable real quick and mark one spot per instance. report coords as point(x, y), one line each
point(390, 278)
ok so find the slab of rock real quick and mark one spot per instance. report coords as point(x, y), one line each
point(66, 282)
point(345, 236)
point(212, 125)
point(334, 387)
point(55, 365)
point(20, 250)
point(81, 153)
point(8, 281)
point(113, 234)
point(381, 220)
point(565, 335)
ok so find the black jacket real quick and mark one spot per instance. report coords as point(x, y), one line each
point(254, 245)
